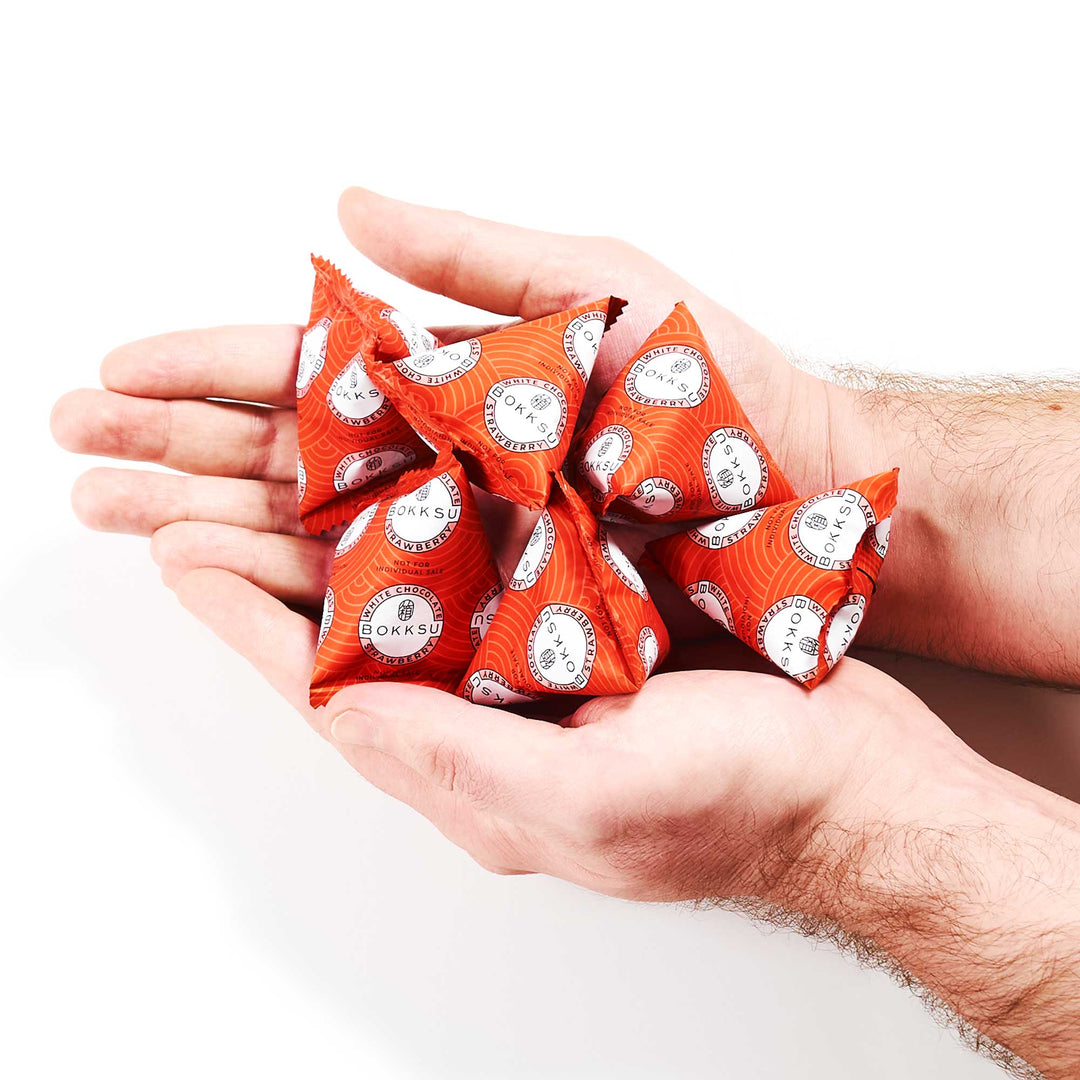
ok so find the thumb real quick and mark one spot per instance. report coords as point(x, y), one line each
point(500, 268)
point(496, 760)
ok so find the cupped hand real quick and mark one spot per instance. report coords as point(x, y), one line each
point(235, 508)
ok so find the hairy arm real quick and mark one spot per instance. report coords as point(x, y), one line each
point(967, 888)
point(985, 568)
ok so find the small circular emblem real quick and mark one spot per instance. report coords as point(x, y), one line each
point(581, 340)
point(788, 634)
point(488, 687)
point(401, 624)
point(843, 625)
point(536, 554)
point(525, 415)
point(312, 355)
point(437, 366)
point(301, 476)
point(656, 496)
point(735, 469)
point(826, 529)
point(881, 535)
point(624, 569)
point(351, 536)
point(562, 648)
point(356, 470)
point(708, 596)
point(416, 338)
point(327, 614)
point(726, 530)
point(648, 648)
point(605, 453)
point(484, 612)
point(674, 376)
point(353, 398)
point(423, 519)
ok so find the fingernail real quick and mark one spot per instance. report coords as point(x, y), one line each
point(353, 726)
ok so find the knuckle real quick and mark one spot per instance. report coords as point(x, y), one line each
point(453, 769)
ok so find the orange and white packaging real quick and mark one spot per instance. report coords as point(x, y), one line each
point(576, 617)
point(670, 442)
point(508, 401)
point(412, 588)
point(355, 447)
point(792, 581)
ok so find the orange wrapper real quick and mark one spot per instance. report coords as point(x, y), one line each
point(791, 581)
point(509, 400)
point(669, 440)
point(576, 618)
point(355, 447)
point(412, 590)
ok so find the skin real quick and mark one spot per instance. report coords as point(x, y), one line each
point(852, 806)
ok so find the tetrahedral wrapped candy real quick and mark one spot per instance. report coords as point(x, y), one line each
point(792, 581)
point(669, 440)
point(354, 445)
point(412, 589)
point(508, 401)
point(576, 617)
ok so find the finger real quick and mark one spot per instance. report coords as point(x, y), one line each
point(500, 268)
point(245, 363)
point(494, 761)
point(213, 437)
point(292, 568)
point(462, 332)
point(139, 502)
point(279, 643)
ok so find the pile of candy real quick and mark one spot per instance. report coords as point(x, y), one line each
point(393, 423)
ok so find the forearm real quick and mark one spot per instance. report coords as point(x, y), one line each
point(984, 567)
point(970, 882)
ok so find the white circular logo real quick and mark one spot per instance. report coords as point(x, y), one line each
point(416, 338)
point(401, 624)
point(881, 535)
point(562, 647)
point(581, 340)
point(354, 398)
point(708, 596)
point(356, 470)
point(484, 612)
point(675, 376)
point(726, 530)
point(488, 687)
point(327, 614)
point(843, 624)
point(536, 554)
point(301, 476)
point(525, 415)
point(656, 496)
point(788, 635)
point(605, 453)
point(624, 569)
point(352, 534)
point(422, 519)
point(437, 366)
point(312, 355)
point(648, 648)
point(734, 468)
point(826, 529)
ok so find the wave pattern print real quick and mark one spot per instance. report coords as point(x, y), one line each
point(670, 441)
point(581, 622)
point(509, 400)
point(411, 577)
point(792, 581)
point(355, 446)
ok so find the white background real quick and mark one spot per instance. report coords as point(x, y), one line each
point(194, 885)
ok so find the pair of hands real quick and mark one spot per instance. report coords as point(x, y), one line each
point(706, 783)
